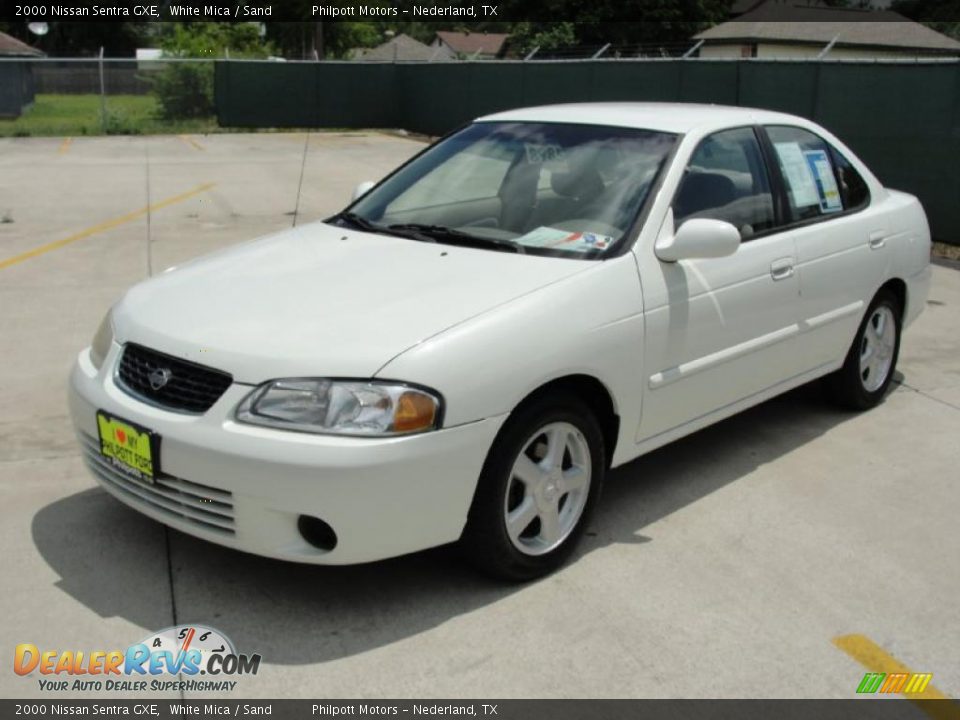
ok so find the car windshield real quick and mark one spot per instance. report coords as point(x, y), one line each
point(540, 188)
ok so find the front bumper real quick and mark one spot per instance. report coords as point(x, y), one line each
point(245, 486)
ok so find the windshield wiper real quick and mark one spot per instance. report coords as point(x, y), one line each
point(361, 223)
point(426, 233)
point(356, 221)
point(444, 234)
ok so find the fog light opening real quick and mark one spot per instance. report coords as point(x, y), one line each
point(316, 532)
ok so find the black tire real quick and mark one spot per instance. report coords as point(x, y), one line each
point(848, 387)
point(485, 539)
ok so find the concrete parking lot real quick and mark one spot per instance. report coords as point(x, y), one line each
point(726, 565)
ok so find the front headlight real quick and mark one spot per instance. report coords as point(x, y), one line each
point(101, 341)
point(341, 407)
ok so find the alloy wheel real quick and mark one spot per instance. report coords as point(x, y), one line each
point(876, 348)
point(548, 488)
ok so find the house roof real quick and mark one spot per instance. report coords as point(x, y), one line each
point(402, 48)
point(468, 43)
point(783, 21)
point(10, 46)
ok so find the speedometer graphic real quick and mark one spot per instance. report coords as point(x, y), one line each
point(179, 640)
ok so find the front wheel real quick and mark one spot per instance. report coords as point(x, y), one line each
point(872, 359)
point(538, 486)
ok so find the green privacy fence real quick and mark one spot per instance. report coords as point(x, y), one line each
point(903, 119)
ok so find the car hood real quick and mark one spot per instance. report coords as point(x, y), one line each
point(322, 301)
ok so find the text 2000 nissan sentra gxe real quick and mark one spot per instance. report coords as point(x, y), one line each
point(465, 351)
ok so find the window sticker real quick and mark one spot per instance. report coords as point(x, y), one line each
point(557, 239)
point(827, 189)
point(798, 174)
point(541, 153)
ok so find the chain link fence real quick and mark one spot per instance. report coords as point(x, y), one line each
point(79, 96)
point(902, 117)
point(57, 96)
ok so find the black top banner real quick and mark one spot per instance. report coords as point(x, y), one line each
point(465, 12)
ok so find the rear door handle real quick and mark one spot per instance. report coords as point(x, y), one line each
point(878, 239)
point(781, 269)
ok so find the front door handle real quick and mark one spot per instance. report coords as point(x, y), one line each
point(878, 239)
point(781, 269)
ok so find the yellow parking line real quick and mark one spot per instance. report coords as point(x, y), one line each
point(105, 225)
point(875, 659)
point(65, 145)
point(190, 141)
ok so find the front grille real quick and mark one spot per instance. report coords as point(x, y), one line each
point(202, 506)
point(189, 388)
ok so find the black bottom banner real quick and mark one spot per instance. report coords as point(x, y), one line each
point(865, 708)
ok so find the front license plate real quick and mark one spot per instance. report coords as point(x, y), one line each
point(128, 447)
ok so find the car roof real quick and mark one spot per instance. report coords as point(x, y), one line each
point(665, 117)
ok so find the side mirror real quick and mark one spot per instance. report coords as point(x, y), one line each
point(362, 189)
point(699, 238)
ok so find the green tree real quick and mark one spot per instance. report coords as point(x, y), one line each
point(602, 21)
point(83, 39)
point(298, 39)
point(940, 15)
point(185, 89)
point(344, 36)
point(213, 40)
point(526, 36)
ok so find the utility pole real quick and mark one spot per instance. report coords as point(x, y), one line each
point(103, 95)
point(318, 41)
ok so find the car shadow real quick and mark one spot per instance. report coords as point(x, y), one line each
point(296, 614)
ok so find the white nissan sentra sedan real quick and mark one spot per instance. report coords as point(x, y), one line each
point(464, 352)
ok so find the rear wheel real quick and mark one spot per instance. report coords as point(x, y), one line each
point(872, 359)
point(538, 486)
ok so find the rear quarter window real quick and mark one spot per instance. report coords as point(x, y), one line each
point(817, 179)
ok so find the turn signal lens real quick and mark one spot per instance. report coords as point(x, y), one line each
point(414, 411)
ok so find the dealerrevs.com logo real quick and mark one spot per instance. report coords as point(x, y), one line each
point(154, 663)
